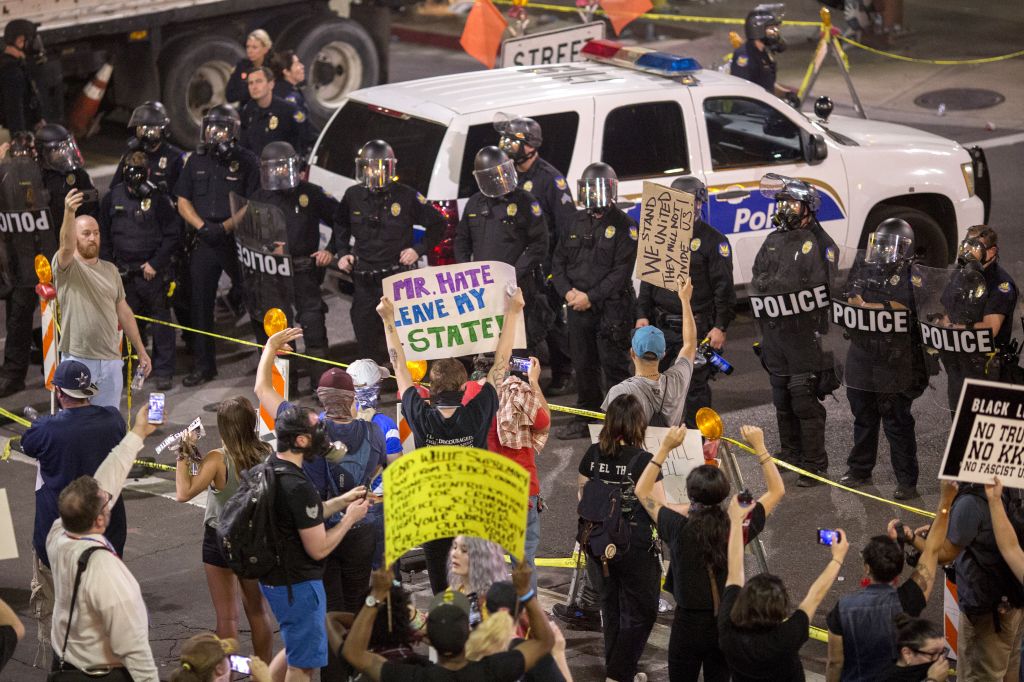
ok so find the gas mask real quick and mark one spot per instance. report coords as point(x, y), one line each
point(972, 253)
point(136, 180)
point(515, 148)
point(319, 446)
point(219, 140)
point(773, 39)
point(789, 214)
point(150, 137)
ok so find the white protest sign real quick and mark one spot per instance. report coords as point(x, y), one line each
point(679, 463)
point(452, 310)
point(550, 47)
point(666, 228)
point(195, 426)
point(8, 545)
point(987, 437)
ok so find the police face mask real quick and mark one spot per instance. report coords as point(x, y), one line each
point(515, 148)
point(63, 156)
point(218, 139)
point(972, 251)
point(788, 214)
point(319, 444)
point(773, 39)
point(135, 179)
point(150, 136)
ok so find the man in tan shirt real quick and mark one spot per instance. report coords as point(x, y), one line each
point(92, 304)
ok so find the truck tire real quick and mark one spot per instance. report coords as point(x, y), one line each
point(339, 56)
point(195, 75)
point(930, 242)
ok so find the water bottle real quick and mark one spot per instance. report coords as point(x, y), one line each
point(138, 379)
point(30, 413)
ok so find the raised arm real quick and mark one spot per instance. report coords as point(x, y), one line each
point(776, 488)
point(924, 575)
point(386, 310)
point(508, 337)
point(534, 377)
point(821, 586)
point(269, 398)
point(357, 645)
point(689, 349)
point(542, 638)
point(737, 514)
point(113, 471)
point(187, 486)
point(68, 238)
point(1006, 536)
point(645, 487)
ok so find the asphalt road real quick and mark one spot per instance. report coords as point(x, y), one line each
point(164, 537)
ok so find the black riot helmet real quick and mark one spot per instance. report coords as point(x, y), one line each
point(375, 165)
point(891, 242)
point(279, 167)
point(494, 172)
point(516, 133)
point(795, 200)
point(150, 122)
point(598, 187)
point(23, 145)
point(136, 175)
point(763, 23)
point(220, 128)
point(57, 149)
point(694, 186)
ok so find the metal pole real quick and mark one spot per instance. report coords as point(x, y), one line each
point(857, 106)
point(732, 470)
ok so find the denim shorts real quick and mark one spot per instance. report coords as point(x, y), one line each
point(303, 626)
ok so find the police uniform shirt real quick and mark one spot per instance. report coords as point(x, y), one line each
point(714, 295)
point(551, 190)
point(304, 208)
point(503, 229)
point(281, 121)
point(19, 99)
point(382, 224)
point(754, 65)
point(164, 165)
point(596, 256)
point(237, 89)
point(1000, 299)
point(290, 93)
point(207, 182)
point(59, 183)
point(134, 230)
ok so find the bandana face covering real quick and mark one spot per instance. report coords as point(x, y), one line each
point(337, 402)
point(367, 396)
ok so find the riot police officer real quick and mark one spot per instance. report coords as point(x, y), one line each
point(379, 213)
point(149, 123)
point(521, 138)
point(755, 59)
point(304, 206)
point(140, 233)
point(713, 301)
point(504, 223)
point(19, 99)
point(593, 272)
point(884, 370)
point(63, 169)
point(798, 255)
point(219, 167)
point(266, 118)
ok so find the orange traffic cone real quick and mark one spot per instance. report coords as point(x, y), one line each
point(88, 103)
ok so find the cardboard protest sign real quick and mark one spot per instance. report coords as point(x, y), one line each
point(987, 438)
point(679, 463)
point(451, 310)
point(666, 229)
point(8, 545)
point(441, 492)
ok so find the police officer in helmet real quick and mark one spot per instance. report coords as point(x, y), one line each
point(884, 370)
point(504, 223)
point(713, 300)
point(149, 123)
point(20, 108)
point(63, 169)
point(755, 59)
point(379, 213)
point(304, 206)
point(521, 138)
point(140, 233)
point(798, 255)
point(218, 167)
point(593, 272)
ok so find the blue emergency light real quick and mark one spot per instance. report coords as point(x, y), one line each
point(640, 58)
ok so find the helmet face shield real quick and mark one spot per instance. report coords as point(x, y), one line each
point(597, 193)
point(62, 156)
point(375, 174)
point(497, 181)
point(150, 134)
point(215, 132)
point(279, 174)
point(887, 248)
point(972, 249)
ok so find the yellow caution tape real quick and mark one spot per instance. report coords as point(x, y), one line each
point(939, 62)
point(15, 418)
point(688, 18)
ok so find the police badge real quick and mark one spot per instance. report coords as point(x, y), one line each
point(511, 210)
point(273, 123)
point(396, 209)
point(146, 203)
point(303, 200)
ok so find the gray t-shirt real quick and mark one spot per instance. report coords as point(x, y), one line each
point(667, 395)
point(88, 295)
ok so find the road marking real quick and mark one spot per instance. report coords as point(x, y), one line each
point(1004, 141)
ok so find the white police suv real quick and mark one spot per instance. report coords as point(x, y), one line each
point(656, 116)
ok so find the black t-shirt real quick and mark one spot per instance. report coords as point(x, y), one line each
point(772, 654)
point(910, 673)
point(545, 670)
point(8, 641)
point(624, 471)
point(691, 587)
point(467, 426)
point(296, 506)
point(504, 667)
point(912, 601)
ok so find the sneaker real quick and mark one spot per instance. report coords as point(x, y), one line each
point(905, 492)
point(808, 482)
point(561, 386)
point(198, 378)
point(852, 480)
point(573, 430)
point(577, 617)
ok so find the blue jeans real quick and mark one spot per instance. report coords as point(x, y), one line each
point(532, 539)
point(108, 377)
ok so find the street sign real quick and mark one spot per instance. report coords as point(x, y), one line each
point(550, 47)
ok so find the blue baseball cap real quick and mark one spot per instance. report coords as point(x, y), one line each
point(74, 379)
point(649, 340)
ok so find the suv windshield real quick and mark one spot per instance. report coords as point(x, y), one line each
point(416, 141)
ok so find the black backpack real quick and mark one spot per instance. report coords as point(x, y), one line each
point(991, 579)
point(246, 528)
point(603, 529)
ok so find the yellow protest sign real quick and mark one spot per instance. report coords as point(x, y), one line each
point(444, 491)
point(666, 228)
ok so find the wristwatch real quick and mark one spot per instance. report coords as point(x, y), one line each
point(372, 602)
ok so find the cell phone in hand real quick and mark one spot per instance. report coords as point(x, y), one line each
point(519, 365)
point(156, 408)
point(90, 196)
point(827, 536)
point(240, 664)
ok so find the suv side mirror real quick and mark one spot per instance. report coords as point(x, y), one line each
point(813, 147)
